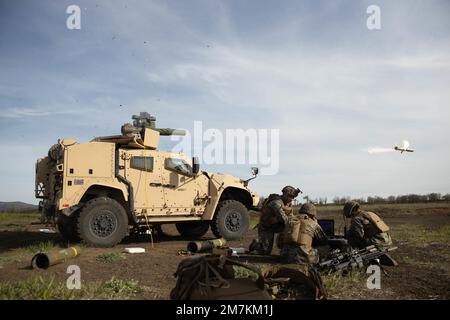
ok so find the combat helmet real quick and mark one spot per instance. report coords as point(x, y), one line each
point(308, 209)
point(349, 206)
point(291, 191)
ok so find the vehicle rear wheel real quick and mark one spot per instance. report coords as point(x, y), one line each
point(231, 220)
point(103, 222)
point(193, 230)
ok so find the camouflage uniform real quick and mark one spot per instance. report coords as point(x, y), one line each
point(297, 244)
point(274, 216)
point(366, 228)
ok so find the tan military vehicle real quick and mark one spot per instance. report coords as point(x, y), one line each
point(99, 191)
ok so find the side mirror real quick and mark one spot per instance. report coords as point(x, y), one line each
point(255, 171)
point(195, 165)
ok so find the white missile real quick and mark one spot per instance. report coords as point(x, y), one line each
point(404, 148)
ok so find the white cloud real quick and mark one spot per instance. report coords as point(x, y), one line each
point(429, 61)
point(331, 93)
point(16, 112)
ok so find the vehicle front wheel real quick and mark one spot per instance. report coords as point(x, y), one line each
point(103, 222)
point(231, 221)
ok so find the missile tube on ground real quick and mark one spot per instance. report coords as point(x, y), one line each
point(43, 260)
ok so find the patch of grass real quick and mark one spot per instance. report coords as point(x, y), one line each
point(434, 241)
point(26, 253)
point(11, 256)
point(16, 222)
point(36, 288)
point(5, 260)
point(429, 264)
point(381, 206)
point(339, 286)
point(253, 222)
point(390, 209)
point(43, 246)
point(13, 227)
point(119, 287)
point(6, 216)
point(244, 273)
point(39, 288)
point(419, 234)
point(110, 257)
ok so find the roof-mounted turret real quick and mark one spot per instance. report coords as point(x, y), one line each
point(146, 120)
point(142, 134)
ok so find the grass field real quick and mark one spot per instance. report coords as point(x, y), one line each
point(42, 288)
point(17, 221)
point(421, 232)
point(392, 209)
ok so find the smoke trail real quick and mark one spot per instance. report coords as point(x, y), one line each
point(379, 150)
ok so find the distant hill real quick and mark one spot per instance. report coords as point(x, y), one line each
point(17, 206)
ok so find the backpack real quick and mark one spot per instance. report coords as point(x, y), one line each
point(290, 233)
point(271, 197)
point(296, 282)
point(212, 277)
point(376, 221)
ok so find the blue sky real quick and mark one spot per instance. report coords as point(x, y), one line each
point(311, 69)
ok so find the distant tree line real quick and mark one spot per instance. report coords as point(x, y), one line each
point(407, 198)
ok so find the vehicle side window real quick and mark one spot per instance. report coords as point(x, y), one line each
point(142, 163)
point(179, 165)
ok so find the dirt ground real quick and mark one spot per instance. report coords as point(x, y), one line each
point(423, 271)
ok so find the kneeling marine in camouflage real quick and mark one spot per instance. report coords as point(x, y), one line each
point(366, 228)
point(296, 240)
point(274, 215)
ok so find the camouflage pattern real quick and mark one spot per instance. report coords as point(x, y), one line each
point(274, 217)
point(288, 210)
point(349, 206)
point(309, 209)
point(290, 191)
point(301, 251)
point(305, 282)
point(363, 233)
point(294, 253)
point(309, 230)
point(265, 240)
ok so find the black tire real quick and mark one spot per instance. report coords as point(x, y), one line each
point(192, 230)
point(67, 226)
point(103, 222)
point(231, 221)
